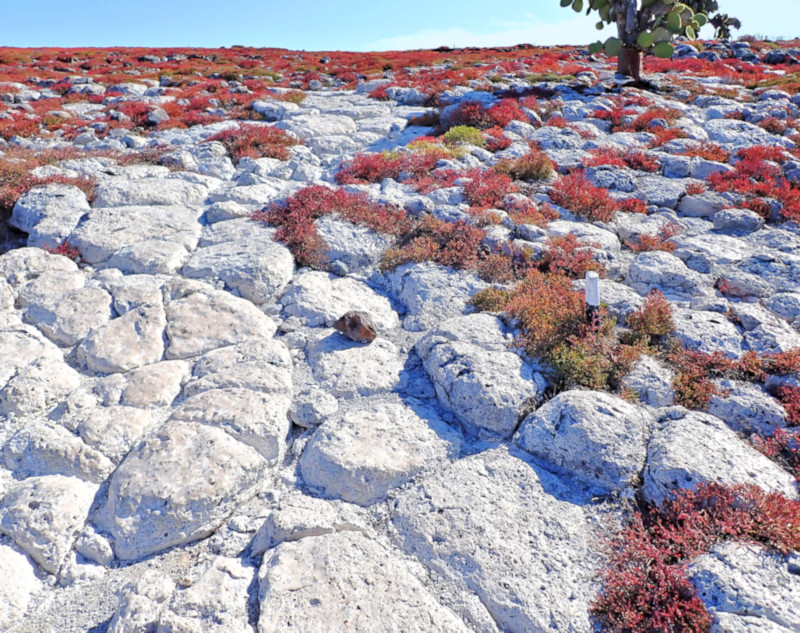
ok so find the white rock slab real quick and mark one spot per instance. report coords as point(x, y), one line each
point(487, 523)
point(177, 486)
point(345, 582)
point(16, 596)
point(348, 369)
point(44, 515)
point(592, 435)
point(362, 454)
point(141, 602)
point(122, 192)
point(132, 340)
point(476, 375)
point(320, 298)
point(688, 448)
point(203, 321)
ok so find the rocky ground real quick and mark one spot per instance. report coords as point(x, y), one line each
point(188, 444)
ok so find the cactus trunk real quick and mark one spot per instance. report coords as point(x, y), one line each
point(629, 62)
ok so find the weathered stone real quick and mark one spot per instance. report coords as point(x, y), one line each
point(44, 514)
point(257, 419)
point(172, 229)
point(475, 374)
point(127, 342)
point(663, 192)
point(16, 596)
point(37, 387)
point(40, 448)
point(707, 332)
point(703, 205)
point(712, 253)
point(141, 602)
point(651, 382)
point(431, 293)
point(122, 192)
point(66, 319)
point(23, 264)
point(353, 246)
point(593, 436)
point(350, 579)
point(486, 525)
point(320, 299)
point(310, 408)
point(59, 207)
point(112, 430)
point(203, 321)
point(688, 448)
point(738, 221)
point(177, 486)
point(746, 588)
point(349, 369)
point(216, 602)
point(254, 265)
point(662, 271)
point(263, 365)
point(149, 386)
point(746, 407)
point(363, 453)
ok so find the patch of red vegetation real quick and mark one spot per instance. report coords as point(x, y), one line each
point(255, 141)
point(565, 255)
point(487, 188)
point(659, 242)
point(576, 193)
point(645, 586)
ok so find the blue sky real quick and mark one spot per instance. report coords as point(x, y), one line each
point(331, 24)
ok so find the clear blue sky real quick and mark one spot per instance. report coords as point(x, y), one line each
point(331, 24)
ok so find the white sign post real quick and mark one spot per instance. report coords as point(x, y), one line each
point(592, 298)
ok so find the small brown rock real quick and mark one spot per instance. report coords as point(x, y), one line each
point(357, 326)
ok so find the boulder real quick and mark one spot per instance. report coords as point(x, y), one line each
point(362, 453)
point(747, 589)
point(16, 596)
point(688, 448)
point(348, 579)
point(178, 485)
point(141, 602)
point(593, 436)
point(707, 332)
point(44, 515)
point(475, 374)
point(657, 270)
point(747, 408)
point(493, 526)
point(349, 369)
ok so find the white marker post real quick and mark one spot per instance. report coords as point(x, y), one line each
point(592, 293)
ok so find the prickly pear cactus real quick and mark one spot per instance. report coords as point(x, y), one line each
point(646, 25)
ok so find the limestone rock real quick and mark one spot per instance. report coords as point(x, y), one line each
point(47, 449)
point(594, 436)
point(488, 524)
point(215, 603)
point(746, 586)
point(257, 419)
point(311, 407)
point(349, 369)
point(112, 430)
point(203, 321)
point(319, 299)
point(652, 382)
point(132, 340)
point(177, 486)
point(345, 582)
point(16, 596)
point(657, 270)
point(688, 448)
point(66, 319)
point(747, 408)
point(364, 452)
point(24, 264)
point(141, 602)
point(707, 332)
point(155, 385)
point(44, 514)
point(263, 365)
point(432, 294)
point(475, 374)
point(122, 192)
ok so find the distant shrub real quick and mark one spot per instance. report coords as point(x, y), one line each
point(653, 319)
point(494, 140)
point(789, 397)
point(565, 255)
point(633, 205)
point(708, 151)
point(453, 244)
point(523, 211)
point(18, 126)
point(534, 166)
point(255, 141)
point(781, 447)
point(487, 188)
point(580, 196)
point(471, 114)
point(505, 111)
point(659, 242)
point(695, 188)
point(464, 134)
point(292, 96)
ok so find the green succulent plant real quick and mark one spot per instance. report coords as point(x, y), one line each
point(649, 26)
